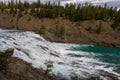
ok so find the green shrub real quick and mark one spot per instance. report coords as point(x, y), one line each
point(11, 20)
point(49, 65)
point(89, 28)
point(29, 19)
point(114, 25)
point(27, 69)
point(13, 27)
point(42, 29)
point(26, 11)
point(2, 10)
point(100, 28)
point(5, 58)
point(60, 31)
point(21, 78)
point(20, 15)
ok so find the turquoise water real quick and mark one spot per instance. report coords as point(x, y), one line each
point(104, 54)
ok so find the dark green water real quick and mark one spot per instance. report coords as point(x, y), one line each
point(104, 54)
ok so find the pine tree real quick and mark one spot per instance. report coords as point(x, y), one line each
point(11, 6)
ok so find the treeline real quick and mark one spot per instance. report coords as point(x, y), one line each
point(74, 12)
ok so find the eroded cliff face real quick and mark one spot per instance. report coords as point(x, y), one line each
point(83, 32)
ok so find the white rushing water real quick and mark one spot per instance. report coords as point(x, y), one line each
point(34, 49)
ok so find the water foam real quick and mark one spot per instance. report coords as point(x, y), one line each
point(34, 49)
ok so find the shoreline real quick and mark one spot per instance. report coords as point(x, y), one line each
point(51, 39)
point(85, 43)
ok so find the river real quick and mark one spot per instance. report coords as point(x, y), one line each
point(70, 61)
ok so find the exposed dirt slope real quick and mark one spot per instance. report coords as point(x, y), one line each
point(83, 32)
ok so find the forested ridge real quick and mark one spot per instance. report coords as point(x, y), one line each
point(73, 12)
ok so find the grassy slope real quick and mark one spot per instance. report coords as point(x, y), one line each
point(77, 30)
